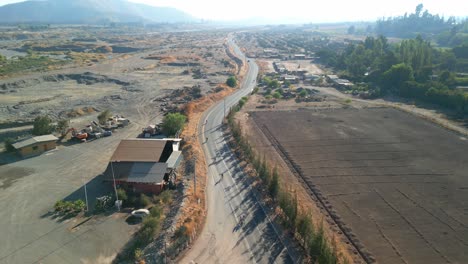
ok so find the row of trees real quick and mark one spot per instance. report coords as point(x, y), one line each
point(311, 237)
point(419, 22)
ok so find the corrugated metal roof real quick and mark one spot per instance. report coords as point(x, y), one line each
point(174, 159)
point(34, 140)
point(144, 150)
point(147, 172)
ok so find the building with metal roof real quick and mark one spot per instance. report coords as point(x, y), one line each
point(36, 145)
point(144, 165)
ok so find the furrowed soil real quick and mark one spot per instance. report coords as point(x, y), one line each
point(393, 184)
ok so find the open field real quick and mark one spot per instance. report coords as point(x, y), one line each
point(393, 183)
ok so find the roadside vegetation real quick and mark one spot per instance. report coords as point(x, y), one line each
point(151, 225)
point(311, 236)
point(173, 124)
point(231, 81)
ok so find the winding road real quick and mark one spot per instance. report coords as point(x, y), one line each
point(237, 229)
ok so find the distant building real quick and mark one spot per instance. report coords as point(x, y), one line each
point(279, 67)
point(290, 78)
point(299, 56)
point(36, 145)
point(144, 165)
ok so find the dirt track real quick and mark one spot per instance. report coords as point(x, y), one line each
point(395, 180)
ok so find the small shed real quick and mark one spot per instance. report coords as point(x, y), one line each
point(36, 145)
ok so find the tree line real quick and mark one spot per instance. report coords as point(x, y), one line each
point(311, 236)
point(412, 68)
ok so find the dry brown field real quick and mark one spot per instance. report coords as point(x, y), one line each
point(394, 184)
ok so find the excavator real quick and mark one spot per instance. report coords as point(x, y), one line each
point(82, 136)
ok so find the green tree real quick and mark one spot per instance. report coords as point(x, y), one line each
point(274, 183)
point(173, 123)
point(8, 143)
point(351, 30)
point(274, 84)
point(396, 76)
point(62, 125)
point(42, 126)
point(303, 93)
point(122, 194)
point(231, 81)
point(104, 116)
point(276, 95)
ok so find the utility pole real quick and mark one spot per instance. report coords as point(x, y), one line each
point(195, 176)
point(86, 196)
point(115, 187)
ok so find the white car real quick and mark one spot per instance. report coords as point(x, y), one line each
point(141, 213)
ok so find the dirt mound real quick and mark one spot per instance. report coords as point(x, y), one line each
point(81, 111)
point(87, 78)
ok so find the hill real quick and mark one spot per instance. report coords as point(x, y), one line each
point(88, 12)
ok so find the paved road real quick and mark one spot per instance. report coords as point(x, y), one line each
point(225, 237)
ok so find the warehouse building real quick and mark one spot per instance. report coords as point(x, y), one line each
point(36, 145)
point(144, 165)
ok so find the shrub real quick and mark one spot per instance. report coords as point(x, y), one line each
point(274, 183)
point(172, 123)
point(62, 125)
point(276, 95)
point(122, 195)
point(166, 197)
point(8, 142)
point(144, 200)
point(231, 81)
point(303, 93)
point(156, 212)
point(42, 126)
point(78, 206)
point(138, 254)
point(59, 206)
point(104, 116)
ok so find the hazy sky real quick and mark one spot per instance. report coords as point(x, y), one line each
point(306, 10)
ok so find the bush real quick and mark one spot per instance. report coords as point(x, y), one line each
point(42, 126)
point(172, 123)
point(231, 81)
point(62, 125)
point(276, 95)
point(274, 184)
point(59, 206)
point(104, 116)
point(148, 230)
point(303, 93)
point(144, 200)
point(156, 212)
point(122, 195)
point(8, 143)
point(166, 197)
point(78, 206)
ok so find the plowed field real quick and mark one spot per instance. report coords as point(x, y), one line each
point(395, 184)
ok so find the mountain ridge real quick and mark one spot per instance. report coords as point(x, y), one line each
point(88, 12)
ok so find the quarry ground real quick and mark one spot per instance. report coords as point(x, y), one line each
point(126, 83)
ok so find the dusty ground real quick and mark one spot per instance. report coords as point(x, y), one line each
point(127, 84)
